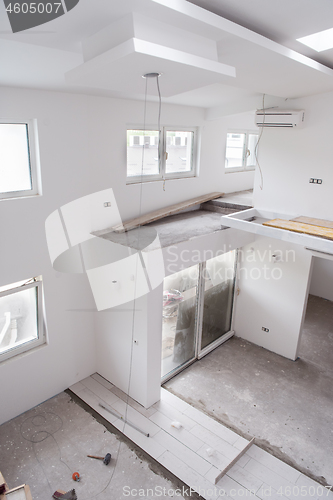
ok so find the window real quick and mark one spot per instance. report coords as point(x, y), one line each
point(154, 156)
point(241, 151)
point(21, 325)
point(18, 159)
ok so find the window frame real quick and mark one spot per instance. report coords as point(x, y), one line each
point(243, 167)
point(34, 160)
point(41, 339)
point(162, 155)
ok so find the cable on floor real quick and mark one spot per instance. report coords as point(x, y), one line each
point(42, 434)
point(35, 440)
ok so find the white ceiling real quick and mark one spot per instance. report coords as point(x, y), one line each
point(41, 57)
point(280, 20)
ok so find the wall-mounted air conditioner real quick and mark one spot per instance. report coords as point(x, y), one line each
point(279, 118)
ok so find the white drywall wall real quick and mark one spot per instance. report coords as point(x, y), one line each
point(31, 378)
point(322, 278)
point(83, 151)
point(109, 119)
point(214, 150)
point(288, 159)
point(118, 326)
point(272, 294)
point(135, 367)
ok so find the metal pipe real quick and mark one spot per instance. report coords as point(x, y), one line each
point(116, 414)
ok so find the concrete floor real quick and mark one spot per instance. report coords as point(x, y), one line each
point(286, 405)
point(171, 230)
point(240, 197)
point(183, 226)
point(45, 445)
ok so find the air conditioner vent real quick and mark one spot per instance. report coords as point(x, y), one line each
point(279, 118)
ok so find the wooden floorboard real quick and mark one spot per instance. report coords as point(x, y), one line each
point(315, 222)
point(298, 227)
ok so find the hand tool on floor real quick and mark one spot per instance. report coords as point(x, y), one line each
point(63, 495)
point(116, 414)
point(76, 476)
point(106, 459)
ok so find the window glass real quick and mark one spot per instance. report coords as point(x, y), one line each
point(179, 150)
point(250, 152)
point(142, 152)
point(179, 319)
point(15, 167)
point(153, 156)
point(18, 318)
point(235, 150)
point(219, 277)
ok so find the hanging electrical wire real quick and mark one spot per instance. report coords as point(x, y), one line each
point(261, 185)
point(137, 259)
point(136, 268)
point(134, 293)
point(159, 128)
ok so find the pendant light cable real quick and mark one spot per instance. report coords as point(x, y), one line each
point(137, 256)
point(261, 185)
point(159, 129)
point(134, 303)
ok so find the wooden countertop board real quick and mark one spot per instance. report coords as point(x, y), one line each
point(314, 222)
point(163, 212)
point(298, 227)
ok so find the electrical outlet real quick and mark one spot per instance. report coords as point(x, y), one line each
point(265, 329)
point(136, 342)
point(107, 203)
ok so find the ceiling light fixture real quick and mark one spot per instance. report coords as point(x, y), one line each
point(323, 40)
point(151, 75)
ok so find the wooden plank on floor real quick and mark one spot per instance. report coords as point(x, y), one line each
point(298, 227)
point(234, 461)
point(164, 212)
point(20, 493)
point(315, 222)
point(3, 485)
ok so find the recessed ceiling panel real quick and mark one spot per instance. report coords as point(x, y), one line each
point(121, 69)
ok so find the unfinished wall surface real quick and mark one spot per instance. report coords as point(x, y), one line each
point(322, 278)
point(272, 294)
point(108, 122)
point(214, 149)
point(109, 119)
point(83, 151)
point(129, 342)
point(288, 159)
point(29, 379)
point(137, 366)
